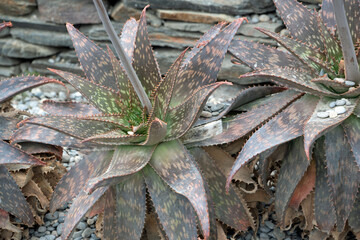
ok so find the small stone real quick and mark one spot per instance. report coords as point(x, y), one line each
point(215, 114)
point(62, 95)
point(322, 114)
point(90, 221)
point(52, 216)
point(332, 114)
point(264, 236)
point(270, 224)
point(61, 219)
point(216, 107)
point(41, 229)
point(205, 114)
point(87, 233)
point(349, 83)
point(285, 33)
point(352, 88)
point(81, 226)
point(347, 102)
point(59, 229)
point(264, 18)
point(332, 104)
point(340, 80)
point(278, 233)
point(340, 102)
point(255, 19)
point(77, 234)
point(65, 157)
point(51, 228)
point(50, 237)
point(340, 110)
point(264, 229)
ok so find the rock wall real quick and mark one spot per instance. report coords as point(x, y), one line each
point(38, 39)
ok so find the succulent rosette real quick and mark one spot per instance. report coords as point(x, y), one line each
point(132, 150)
point(319, 66)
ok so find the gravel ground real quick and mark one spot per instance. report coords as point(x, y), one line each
point(51, 230)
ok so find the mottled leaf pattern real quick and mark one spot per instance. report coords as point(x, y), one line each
point(182, 175)
point(12, 199)
point(13, 86)
point(114, 138)
point(292, 170)
point(284, 127)
point(12, 155)
point(315, 126)
point(205, 65)
point(324, 209)
point(110, 232)
point(104, 99)
point(301, 22)
point(156, 132)
point(94, 61)
point(258, 56)
point(230, 207)
point(354, 220)
point(174, 211)
point(182, 117)
point(342, 172)
point(7, 127)
point(128, 35)
point(297, 79)
point(144, 62)
point(69, 108)
point(131, 207)
point(80, 206)
point(126, 160)
point(74, 180)
point(352, 130)
point(236, 127)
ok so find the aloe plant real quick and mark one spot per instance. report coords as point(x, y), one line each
point(320, 68)
point(134, 147)
point(11, 198)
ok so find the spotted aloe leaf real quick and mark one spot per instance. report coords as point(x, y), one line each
point(174, 211)
point(126, 160)
point(259, 56)
point(292, 170)
point(354, 220)
point(130, 206)
point(13, 86)
point(352, 127)
point(342, 172)
point(7, 127)
point(110, 214)
point(183, 176)
point(12, 199)
point(11, 155)
point(230, 208)
point(80, 206)
point(283, 128)
point(200, 71)
point(75, 180)
point(316, 126)
point(69, 108)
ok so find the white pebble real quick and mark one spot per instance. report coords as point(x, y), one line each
point(205, 114)
point(340, 110)
point(340, 102)
point(347, 102)
point(332, 114)
point(340, 80)
point(349, 83)
point(332, 104)
point(322, 114)
point(352, 88)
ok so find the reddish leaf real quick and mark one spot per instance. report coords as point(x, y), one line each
point(258, 56)
point(12, 155)
point(301, 22)
point(74, 180)
point(12, 200)
point(324, 209)
point(207, 37)
point(80, 206)
point(126, 160)
point(292, 171)
point(354, 220)
point(174, 211)
point(182, 175)
point(110, 222)
point(284, 127)
point(131, 207)
point(103, 98)
point(238, 126)
point(94, 61)
point(182, 117)
point(328, 16)
point(352, 130)
point(115, 138)
point(24, 83)
point(337, 86)
point(69, 108)
point(230, 207)
point(156, 132)
point(203, 68)
point(297, 79)
point(128, 35)
point(144, 62)
point(316, 127)
point(7, 127)
point(343, 174)
point(38, 148)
